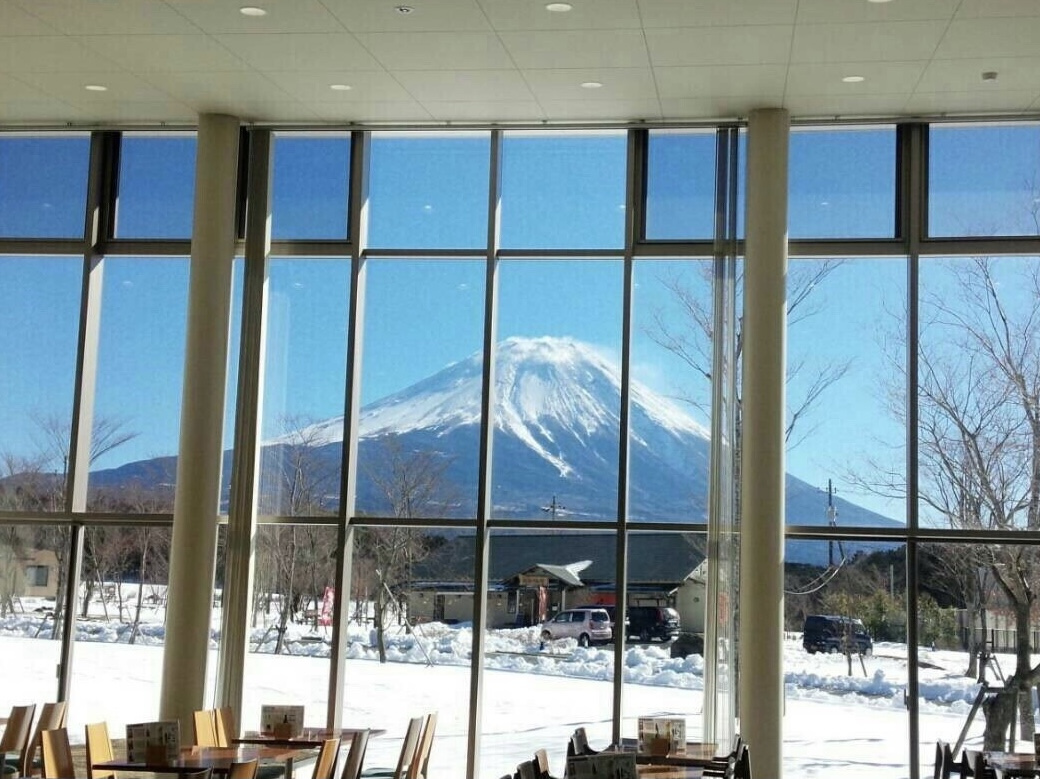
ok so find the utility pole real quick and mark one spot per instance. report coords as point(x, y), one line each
point(832, 515)
point(553, 508)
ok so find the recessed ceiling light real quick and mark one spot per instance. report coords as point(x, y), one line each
point(853, 79)
point(252, 10)
point(989, 75)
point(341, 87)
point(404, 10)
point(591, 84)
point(558, 8)
point(879, 1)
point(95, 88)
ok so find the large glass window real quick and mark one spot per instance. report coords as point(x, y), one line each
point(43, 185)
point(310, 185)
point(156, 185)
point(680, 185)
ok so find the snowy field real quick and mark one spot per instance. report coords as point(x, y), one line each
point(835, 724)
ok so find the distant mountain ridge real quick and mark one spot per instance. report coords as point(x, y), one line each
point(557, 420)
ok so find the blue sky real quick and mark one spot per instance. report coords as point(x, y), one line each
point(430, 192)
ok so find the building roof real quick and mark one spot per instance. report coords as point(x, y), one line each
point(653, 557)
point(439, 61)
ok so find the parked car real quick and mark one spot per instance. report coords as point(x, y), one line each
point(588, 625)
point(829, 633)
point(650, 622)
point(612, 611)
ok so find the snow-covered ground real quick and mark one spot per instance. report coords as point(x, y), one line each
point(835, 724)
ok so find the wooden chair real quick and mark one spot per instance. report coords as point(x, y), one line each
point(579, 744)
point(224, 717)
point(99, 749)
point(973, 764)
point(943, 760)
point(408, 748)
point(15, 741)
point(527, 770)
point(205, 726)
point(52, 717)
point(57, 754)
point(356, 755)
point(325, 768)
point(417, 768)
point(541, 764)
point(245, 769)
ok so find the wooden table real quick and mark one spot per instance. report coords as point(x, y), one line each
point(307, 738)
point(1013, 763)
point(669, 771)
point(217, 759)
point(697, 754)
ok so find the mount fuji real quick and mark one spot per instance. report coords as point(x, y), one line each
point(556, 407)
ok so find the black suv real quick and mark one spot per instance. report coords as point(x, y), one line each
point(650, 622)
point(828, 633)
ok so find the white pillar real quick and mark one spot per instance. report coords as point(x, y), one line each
point(762, 441)
point(197, 499)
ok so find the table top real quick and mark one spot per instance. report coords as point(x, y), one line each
point(697, 754)
point(1014, 763)
point(308, 737)
point(219, 759)
point(669, 772)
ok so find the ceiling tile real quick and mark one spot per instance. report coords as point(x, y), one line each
point(1018, 37)
point(214, 87)
point(712, 108)
point(719, 45)
point(577, 49)
point(850, 105)
point(164, 53)
point(365, 85)
point(426, 15)
point(407, 111)
point(52, 53)
point(258, 110)
point(847, 11)
point(485, 111)
point(866, 42)
point(15, 20)
point(586, 15)
point(134, 111)
point(965, 75)
point(602, 110)
point(300, 51)
point(716, 13)
point(925, 103)
point(464, 85)
point(974, 9)
point(222, 16)
point(70, 87)
point(716, 81)
point(618, 84)
point(880, 78)
point(437, 50)
point(110, 17)
point(38, 110)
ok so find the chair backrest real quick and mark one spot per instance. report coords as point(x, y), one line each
point(541, 764)
point(225, 722)
point(325, 768)
point(52, 716)
point(742, 767)
point(99, 749)
point(408, 747)
point(581, 742)
point(16, 735)
point(417, 768)
point(245, 769)
point(527, 770)
point(57, 754)
point(356, 755)
point(939, 760)
point(943, 760)
point(205, 727)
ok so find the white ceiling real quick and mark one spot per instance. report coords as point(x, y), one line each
point(513, 60)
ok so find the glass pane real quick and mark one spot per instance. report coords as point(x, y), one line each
point(842, 183)
point(846, 377)
point(845, 659)
point(978, 384)
point(664, 630)
point(40, 316)
point(121, 625)
point(671, 393)
point(291, 634)
point(558, 398)
point(429, 191)
point(549, 642)
point(156, 186)
point(310, 185)
point(421, 388)
point(411, 640)
point(43, 185)
point(33, 565)
point(305, 364)
point(983, 180)
point(680, 185)
point(563, 190)
point(137, 412)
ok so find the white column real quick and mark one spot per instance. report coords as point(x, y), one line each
point(197, 499)
point(762, 457)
